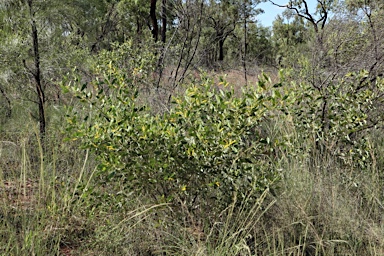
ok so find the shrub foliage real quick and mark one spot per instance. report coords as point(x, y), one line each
point(209, 143)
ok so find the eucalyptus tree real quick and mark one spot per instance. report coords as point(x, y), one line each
point(222, 19)
point(37, 48)
point(22, 51)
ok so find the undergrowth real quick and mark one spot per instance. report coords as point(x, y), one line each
point(52, 203)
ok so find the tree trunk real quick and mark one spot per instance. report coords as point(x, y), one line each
point(245, 50)
point(152, 14)
point(221, 49)
point(164, 21)
point(37, 73)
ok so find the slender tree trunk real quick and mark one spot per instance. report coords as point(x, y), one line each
point(164, 21)
point(160, 63)
point(221, 48)
point(37, 73)
point(245, 50)
point(152, 14)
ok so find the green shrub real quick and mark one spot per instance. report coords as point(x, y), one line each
point(208, 145)
point(339, 115)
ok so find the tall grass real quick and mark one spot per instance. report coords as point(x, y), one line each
point(36, 193)
point(51, 204)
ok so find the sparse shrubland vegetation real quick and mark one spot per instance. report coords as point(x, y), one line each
point(116, 139)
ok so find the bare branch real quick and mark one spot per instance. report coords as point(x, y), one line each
point(307, 15)
point(323, 14)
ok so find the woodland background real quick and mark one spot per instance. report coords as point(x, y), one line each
point(180, 127)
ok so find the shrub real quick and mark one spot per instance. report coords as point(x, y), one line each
point(208, 145)
point(339, 115)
